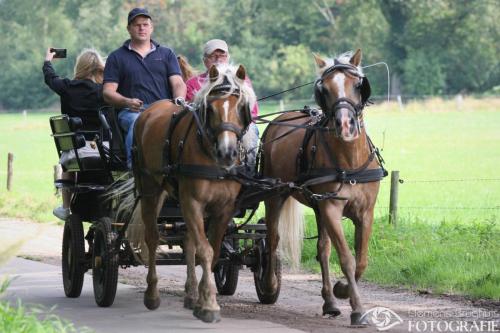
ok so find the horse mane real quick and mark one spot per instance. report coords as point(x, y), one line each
point(227, 76)
point(343, 59)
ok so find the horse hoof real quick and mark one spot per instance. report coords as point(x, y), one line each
point(152, 303)
point(189, 302)
point(357, 319)
point(331, 310)
point(341, 290)
point(207, 316)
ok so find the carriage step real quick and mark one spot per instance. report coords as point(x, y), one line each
point(255, 227)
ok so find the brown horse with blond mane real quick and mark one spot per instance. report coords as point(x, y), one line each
point(187, 154)
point(337, 171)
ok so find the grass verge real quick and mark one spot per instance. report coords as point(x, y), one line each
point(445, 258)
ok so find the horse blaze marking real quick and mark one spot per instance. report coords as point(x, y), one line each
point(339, 80)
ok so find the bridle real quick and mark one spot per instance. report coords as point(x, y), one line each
point(205, 131)
point(343, 102)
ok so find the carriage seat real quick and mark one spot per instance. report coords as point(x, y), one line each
point(75, 152)
point(90, 158)
point(117, 152)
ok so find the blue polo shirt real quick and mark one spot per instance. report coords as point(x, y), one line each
point(143, 78)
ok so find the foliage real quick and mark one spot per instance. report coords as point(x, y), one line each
point(423, 75)
point(21, 319)
point(456, 41)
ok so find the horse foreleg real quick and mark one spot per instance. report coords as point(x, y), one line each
point(363, 229)
point(217, 227)
point(324, 249)
point(273, 211)
point(331, 216)
point(206, 307)
point(149, 206)
point(191, 286)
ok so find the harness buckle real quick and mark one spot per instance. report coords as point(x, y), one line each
point(317, 196)
point(353, 182)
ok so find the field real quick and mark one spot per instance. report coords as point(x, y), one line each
point(448, 233)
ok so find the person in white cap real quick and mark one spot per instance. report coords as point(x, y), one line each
point(216, 51)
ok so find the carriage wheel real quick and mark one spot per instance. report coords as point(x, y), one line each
point(104, 263)
point(226, 276)
point(73, 255)
point(260, 270)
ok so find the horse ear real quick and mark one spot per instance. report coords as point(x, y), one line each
point(213, 73)
point(319, 61)
point(356, 58)
point(241, 73)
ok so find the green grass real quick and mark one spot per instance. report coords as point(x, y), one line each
point(22, 319)
point(32, 196)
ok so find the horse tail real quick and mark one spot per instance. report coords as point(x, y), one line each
point(291, 231)
point(124, 193)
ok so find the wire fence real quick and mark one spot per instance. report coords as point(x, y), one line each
point(435, 186)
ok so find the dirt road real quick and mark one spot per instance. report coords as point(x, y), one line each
point(299, 305)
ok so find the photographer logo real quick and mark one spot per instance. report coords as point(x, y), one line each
point(382, 318)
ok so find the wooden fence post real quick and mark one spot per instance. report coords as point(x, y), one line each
point(393, 204)
point(10, 171)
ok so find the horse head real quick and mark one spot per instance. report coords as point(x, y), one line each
point(342, 92)
point(225, 103)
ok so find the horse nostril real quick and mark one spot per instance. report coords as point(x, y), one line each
point(351, 122)
point(234, 153)
point(338, 122)
point(219, 154)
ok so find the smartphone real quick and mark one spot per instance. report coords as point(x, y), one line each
point(60, 53)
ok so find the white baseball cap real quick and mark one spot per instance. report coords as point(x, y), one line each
point(214, 44)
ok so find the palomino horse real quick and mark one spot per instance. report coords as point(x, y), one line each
point(338, 171)
point(187, 155)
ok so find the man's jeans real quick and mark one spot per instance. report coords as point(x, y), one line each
point(126, 119)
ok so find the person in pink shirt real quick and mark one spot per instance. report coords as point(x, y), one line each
point(216, 51)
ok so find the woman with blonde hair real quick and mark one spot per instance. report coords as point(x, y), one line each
point(186, 69)
point(80, 97)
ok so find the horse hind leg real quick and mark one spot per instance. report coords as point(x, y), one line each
point(270, 287)
point(150, 208)
point(191, 286)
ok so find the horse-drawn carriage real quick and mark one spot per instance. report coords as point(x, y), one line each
point(97, 166)
point(187, 186)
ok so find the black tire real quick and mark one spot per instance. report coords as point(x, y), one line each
point(226, 278)
point(259, 273)
point(104, 263)
point(226, 275)
point(73, 256)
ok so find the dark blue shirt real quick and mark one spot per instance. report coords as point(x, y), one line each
point(143, 78)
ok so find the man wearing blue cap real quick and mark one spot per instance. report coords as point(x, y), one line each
point(139, 73)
